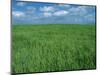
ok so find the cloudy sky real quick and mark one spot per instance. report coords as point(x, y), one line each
point(49, 13)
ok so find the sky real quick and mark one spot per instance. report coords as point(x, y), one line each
point(52, 13)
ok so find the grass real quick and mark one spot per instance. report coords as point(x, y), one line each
point(46, 48)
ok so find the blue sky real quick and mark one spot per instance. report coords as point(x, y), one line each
point(51, 13)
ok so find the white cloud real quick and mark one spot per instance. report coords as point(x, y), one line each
point(60, 13)
point(80, 10)
point(47, 8)
point(21, 3)
point(18, 14)
point(47, 14)
point(64, 5)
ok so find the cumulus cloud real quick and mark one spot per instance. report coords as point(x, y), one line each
point(60, 13)
point(18, 14)
point(21, 3)
point(80, 10)
point(47, 8)
point(47, 14)
point(64, 5)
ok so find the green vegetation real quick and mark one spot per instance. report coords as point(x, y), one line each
point(45, 48)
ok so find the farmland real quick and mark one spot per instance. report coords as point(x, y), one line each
point(46, 48)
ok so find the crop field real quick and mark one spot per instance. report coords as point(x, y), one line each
point(48, 48)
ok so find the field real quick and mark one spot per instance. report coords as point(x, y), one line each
point(46, 48)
